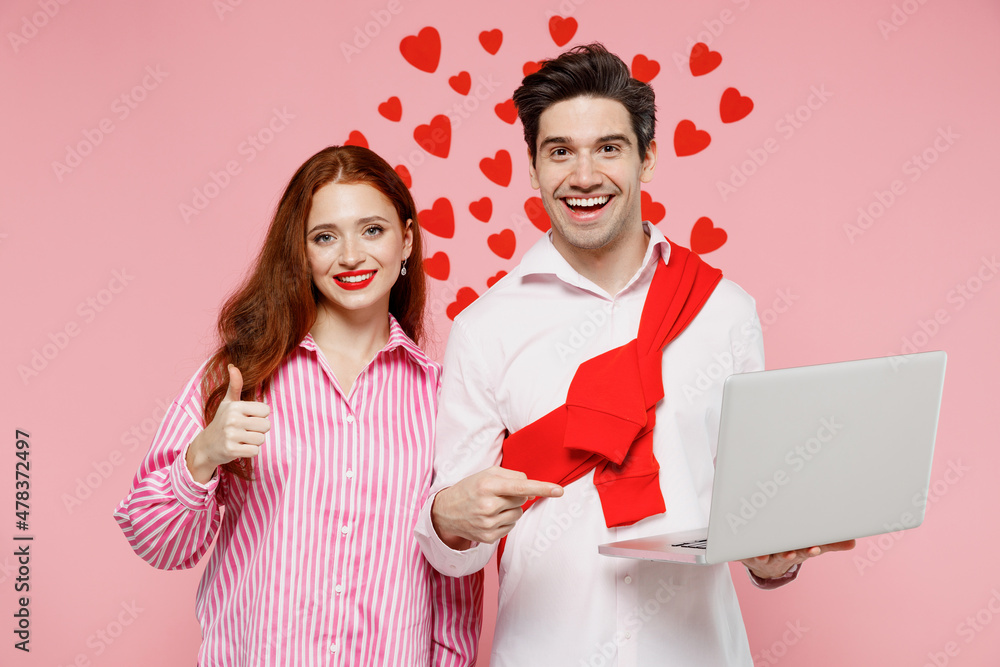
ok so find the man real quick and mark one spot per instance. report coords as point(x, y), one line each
point(516, 353)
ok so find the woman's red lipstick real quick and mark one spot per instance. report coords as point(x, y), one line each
point(353, 285)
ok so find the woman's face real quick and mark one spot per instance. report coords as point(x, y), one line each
point(355, 243)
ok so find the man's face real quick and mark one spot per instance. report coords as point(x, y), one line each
point(588, 169)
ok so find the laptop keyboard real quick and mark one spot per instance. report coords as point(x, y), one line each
point(697, 544)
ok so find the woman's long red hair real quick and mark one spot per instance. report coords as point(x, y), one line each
point(263, 321)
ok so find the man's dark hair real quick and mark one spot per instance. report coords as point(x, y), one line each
point(590, 71)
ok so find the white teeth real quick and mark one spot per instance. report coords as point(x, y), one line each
point(356, 279)
point(592, 201)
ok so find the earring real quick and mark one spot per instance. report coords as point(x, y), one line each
point(402, 271)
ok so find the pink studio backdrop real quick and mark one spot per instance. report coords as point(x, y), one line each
point(857, 198)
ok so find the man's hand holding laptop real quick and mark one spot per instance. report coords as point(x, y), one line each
point(776, 565)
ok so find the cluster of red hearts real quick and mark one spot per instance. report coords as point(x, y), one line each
point(423, 51)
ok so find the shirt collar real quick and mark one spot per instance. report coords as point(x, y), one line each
point(543, 259)
point(397, 338)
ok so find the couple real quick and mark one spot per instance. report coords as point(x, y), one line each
point(320, 410)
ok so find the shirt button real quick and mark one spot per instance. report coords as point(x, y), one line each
point(333, 647)
point(628, 579)
point(349, 474)
point(350, 419)
point(338, 589)
point(344, 530)
point(628, 635)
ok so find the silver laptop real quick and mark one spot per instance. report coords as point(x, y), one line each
point(814, 455)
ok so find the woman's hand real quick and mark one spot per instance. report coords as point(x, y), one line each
point(237, 431)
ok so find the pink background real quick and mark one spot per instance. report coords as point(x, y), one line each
point(909, 599)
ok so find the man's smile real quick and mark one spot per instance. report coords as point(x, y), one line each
point(586, 209)
point(587, 204)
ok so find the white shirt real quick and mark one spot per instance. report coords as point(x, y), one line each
point(510, 358)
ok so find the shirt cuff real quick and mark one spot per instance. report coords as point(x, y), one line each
point(443, 558)
point(191, 494)
point(776, 582)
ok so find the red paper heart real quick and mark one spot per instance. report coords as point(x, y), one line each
point(503, 244)
point(422, 50)
point(391, 109)
point(644, 69)
point(733, 106)
point(651, 210)
point(404, 174)
point(491, 40)
point(689, 140)
point(465, 296)
point(703, 60)
point(438, 266)
point(530, 67)
point(435, 138)
point(506, 111)
point(355, 138)
point(705, 237)
point(461, 83)
point(535, 211)
point(439, 219)
point(497, 169)
point(482, 209)
point(562, 30)
point(490, 282)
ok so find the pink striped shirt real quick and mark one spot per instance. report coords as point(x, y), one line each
point(316, 563)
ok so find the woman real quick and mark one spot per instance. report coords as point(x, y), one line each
point(312, 426)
